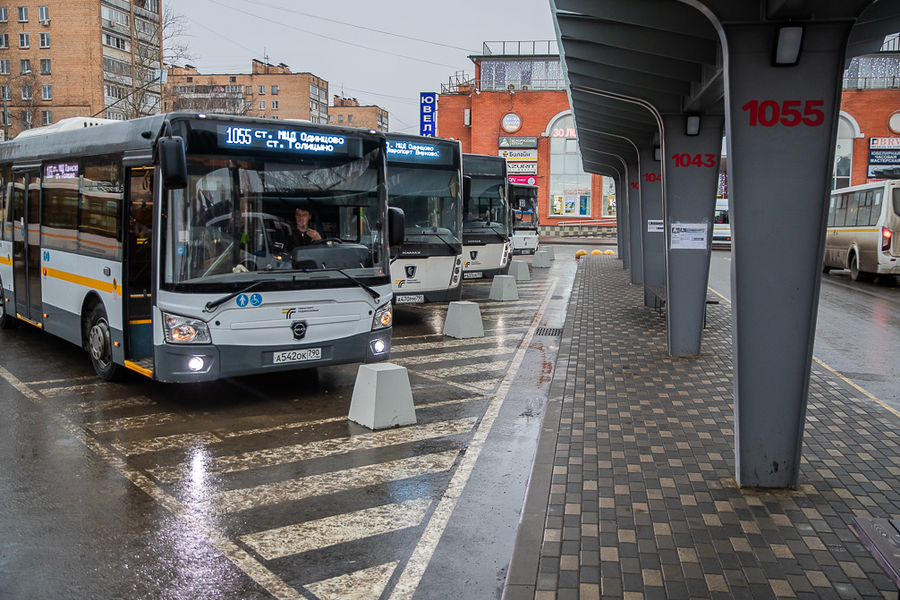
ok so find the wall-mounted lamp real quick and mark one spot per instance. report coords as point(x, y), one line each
point(656, 154)
point(692, 126)
point(787, 46)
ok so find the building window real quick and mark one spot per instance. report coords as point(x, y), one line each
point(5, 93)
point(26, 92)
point(4, 40)
point(46, 117)
point(44, 39)
point(570, 186)
point(262, 105)
point(25, 65)
point(331, 118)
point(23, 40)
point(190, 80)
point(6, 120)
point(340, 118)
point(4, 67)
point(45, 66)
point(232, 79)
point(275, 117)
point(249, 89)
point(262, 90)
point(313, 106)
point(274, 104)
point(4, 17)
point(349, 118)
point(26, 119)
point(46, 92)
point(115, 42)
point(843, 155)
point(43, 13)
point(23, 14)
point(274, 90)
point(115, 17)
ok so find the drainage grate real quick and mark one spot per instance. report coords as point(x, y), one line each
point(548, 331)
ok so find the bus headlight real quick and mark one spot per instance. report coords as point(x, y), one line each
point(183, 330)
point(384, 316)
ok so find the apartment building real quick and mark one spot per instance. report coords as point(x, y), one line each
point(347, 111)
point(269, 91)
point(67, 58)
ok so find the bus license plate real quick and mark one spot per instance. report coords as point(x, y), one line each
point(289, 356)
point(410, 299)
point(472, 275)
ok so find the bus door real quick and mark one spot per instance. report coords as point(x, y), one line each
point(26, 244)
point(139, 262)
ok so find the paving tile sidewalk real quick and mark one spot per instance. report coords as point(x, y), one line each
point(633, 495)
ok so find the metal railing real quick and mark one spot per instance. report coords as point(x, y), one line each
point(523, 48)
point(871, 83)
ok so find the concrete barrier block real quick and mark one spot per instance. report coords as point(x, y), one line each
point(549, 251)
point(519, 270)
point(503, 288)
point(463, 320)
point(382, 397)
point(541, 260)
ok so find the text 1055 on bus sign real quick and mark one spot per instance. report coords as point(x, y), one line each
point(287, 140)
point(769, 113)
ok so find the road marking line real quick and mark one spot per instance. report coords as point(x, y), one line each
point(437, 523)
point(333, 482)
point(280, 455)
point(841, 377)
point(339, 529)
point(359, 585)
point(90, 406)
point(169, 442)
point(193, 519)
point(497, 365)
point(139, 422)
point(454, 356)
point(501, 339)
point(84, 390)
point(459, 384)
point(49, 381)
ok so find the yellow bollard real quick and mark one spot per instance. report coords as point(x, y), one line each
point(596, 252)
point(579, 254)
point(610, 252)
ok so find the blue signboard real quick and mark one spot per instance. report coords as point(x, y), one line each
point(428, 114)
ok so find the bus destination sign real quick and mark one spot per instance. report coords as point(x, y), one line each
point(417, 152)
point(281, 140)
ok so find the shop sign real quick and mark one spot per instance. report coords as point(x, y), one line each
point(524, 179)
point(521, 168)
point(523, 155)
point(428, 114)
point(511, 122)
point(518, 142)
point(890, 142)
point(884, 157)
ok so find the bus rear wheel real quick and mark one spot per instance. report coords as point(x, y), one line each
point(855, 273)
point(7, 321)
point(100, 345)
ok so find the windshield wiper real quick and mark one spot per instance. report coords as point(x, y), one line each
point(446, 243)
point(372, 292)
point(210, 306)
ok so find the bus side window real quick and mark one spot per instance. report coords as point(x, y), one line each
point(831, 210)
point(876, 208)
point(865, 208)
point(841, 211)
point(853, 209)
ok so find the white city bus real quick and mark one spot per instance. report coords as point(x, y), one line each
point(164, 244)
point(486, 217)
point(524, 201)
point(863, 221)
point(721, 223)
point(425, 181)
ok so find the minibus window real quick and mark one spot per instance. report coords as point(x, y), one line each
point(896, 201)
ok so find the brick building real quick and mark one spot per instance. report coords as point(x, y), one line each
point(347, 111)
point(67, 58)
point(516, 106)
point(269, 91)
point(869, 127)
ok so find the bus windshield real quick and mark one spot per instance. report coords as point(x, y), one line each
point(244, 219)
point(487, 207)
point(429, 200)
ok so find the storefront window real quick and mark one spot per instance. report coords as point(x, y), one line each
point(570, 186)
point(843, 155)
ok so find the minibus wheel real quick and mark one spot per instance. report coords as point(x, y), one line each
point(100, 345)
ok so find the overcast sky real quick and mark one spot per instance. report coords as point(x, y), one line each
point(361, 47)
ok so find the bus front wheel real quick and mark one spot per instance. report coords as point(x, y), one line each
point(100, 345)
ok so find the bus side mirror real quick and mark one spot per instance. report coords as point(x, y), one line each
point(172, 162)
point(396, 226)
point(467, 189)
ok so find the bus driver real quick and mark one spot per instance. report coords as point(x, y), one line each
point(303, 233)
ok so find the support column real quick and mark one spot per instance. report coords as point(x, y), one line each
point(622, 233)
point(635, 238)
point(652, 229)
point(782, 123)
point(692, 176)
